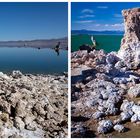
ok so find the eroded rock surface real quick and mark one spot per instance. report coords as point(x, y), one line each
point(33, 105)
point(130, 44)
point(104, 87)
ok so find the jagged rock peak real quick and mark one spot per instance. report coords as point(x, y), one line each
point(130, 43)
point(132, 26)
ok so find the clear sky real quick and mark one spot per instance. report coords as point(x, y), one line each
point(26, 21)
point(99, 15)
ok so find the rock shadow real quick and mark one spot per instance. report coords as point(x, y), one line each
point(79, 119)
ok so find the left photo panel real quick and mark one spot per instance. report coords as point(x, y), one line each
point(34, 70)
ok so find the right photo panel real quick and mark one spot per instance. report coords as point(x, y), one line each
point(105, 69)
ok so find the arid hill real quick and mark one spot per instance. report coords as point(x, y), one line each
point(36, 43)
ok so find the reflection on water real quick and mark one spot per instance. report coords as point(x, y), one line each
point(57, 48)
point(30, 60)
point(57, 51)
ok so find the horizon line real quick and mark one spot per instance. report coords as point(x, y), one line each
point(35, 39)
point(95, 30)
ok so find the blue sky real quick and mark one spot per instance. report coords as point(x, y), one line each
point(99, 16)
point(26, 21)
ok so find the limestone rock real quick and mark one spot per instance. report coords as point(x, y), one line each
point(136, 109)
point(130, 44)
point(4, 76)
point(29, 119)
point(5, 106)
point(17, 74)
point(126, 106)
point(30, 127)
point(134, 91)
point(19, 123)
point(4, 117)
point(20, 109)
point(98, 114)
point(112, 58)
point(126, 116)
point(120, 128)
point(135, 118)
point(105, 126)
point(39, 109)
point(112, 110)
point(28, 103)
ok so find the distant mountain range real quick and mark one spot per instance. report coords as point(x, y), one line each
point(74, 32)
point(40, 43)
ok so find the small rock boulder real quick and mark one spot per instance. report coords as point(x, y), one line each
point(136, 109)
point(111, 58)
point(134, 91)
point(120, 128)
point(126, 116)
point(105, 126)
point(30, 127)
point(4, 76)
point(16, 74)
point(126, 106)
point(5, 106)
point(135, 118)
point(20, 109)
point(98, 114)
point(112, 110)
point(39, 109)
point(19, 123)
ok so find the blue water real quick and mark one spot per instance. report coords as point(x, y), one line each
point(31, 60)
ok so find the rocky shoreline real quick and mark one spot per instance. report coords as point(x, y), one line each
point(103, 86)
point(106, 87)
point(33, 106)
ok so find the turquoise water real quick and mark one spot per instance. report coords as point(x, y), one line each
point(31, 60)
point(107, 42)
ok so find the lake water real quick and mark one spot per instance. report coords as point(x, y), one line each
point(107, 42)
point(31, 60)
